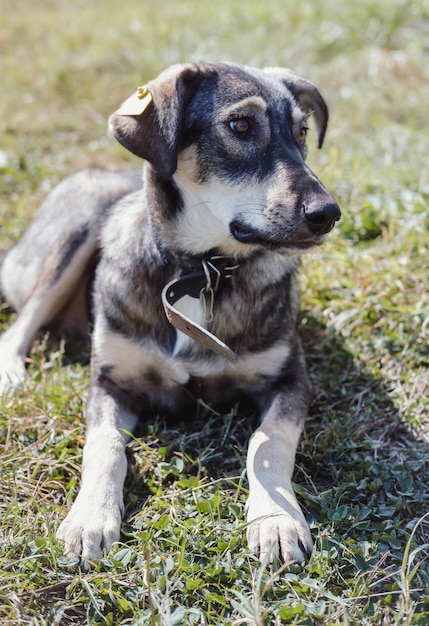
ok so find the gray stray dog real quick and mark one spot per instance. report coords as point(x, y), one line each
point(190, 272)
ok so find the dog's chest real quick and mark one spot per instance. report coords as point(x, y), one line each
point(145, 368)
point(136, 348)
point(191, 308)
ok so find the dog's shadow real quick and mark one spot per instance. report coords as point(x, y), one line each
point(360, 470)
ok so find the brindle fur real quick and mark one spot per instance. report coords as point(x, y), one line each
point(206, 190)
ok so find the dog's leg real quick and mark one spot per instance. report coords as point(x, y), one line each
point(94, 521)
point(56, 285)
point(276, 525)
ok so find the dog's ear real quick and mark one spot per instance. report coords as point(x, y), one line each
point(150, 122)
point(308, 97)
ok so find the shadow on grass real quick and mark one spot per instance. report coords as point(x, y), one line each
point(362, 473)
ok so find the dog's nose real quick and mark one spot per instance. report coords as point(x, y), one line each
point(320, 218)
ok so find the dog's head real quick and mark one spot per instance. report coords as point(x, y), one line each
point(232, 140)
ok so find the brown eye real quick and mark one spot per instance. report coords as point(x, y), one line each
point(302, 134)
point(240, 127)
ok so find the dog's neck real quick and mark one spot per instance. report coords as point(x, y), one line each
point(203, 279)
point(188, 263)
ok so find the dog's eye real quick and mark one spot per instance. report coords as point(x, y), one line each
point(240, 126)
point(302, 134)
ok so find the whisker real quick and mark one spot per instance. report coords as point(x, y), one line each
point(244, 208)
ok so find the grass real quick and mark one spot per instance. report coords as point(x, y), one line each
point(362, 466)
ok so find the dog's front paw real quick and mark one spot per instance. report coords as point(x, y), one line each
point(277, 533)
point(89, 530)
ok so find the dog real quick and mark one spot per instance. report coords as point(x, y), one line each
point(187, 275)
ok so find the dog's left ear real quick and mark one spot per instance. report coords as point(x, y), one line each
point(150, 122)
point(308, 97)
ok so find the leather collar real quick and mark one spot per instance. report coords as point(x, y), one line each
point(203, 279)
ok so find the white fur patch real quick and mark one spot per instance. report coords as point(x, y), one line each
point(248, 366)
point(192, 308)
point(211, 207)
point(12, 369)
point(129, 360)
point(266, 363)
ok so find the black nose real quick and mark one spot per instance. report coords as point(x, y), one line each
point(320, 218)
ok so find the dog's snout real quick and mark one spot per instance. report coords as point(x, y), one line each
point(321, 218)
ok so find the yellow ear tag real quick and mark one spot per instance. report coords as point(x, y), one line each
point(137, 103)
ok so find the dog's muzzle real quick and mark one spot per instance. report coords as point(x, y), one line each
point(315, 220)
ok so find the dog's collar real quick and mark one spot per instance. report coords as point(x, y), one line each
point(203, 279)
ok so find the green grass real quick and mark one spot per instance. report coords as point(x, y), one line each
point(362, 466)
